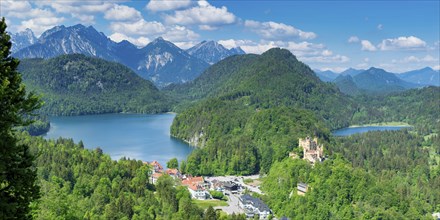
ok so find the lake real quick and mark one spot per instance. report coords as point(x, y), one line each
point(363, 129)
point(137, 136)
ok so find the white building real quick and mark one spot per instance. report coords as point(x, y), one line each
point(253, 206)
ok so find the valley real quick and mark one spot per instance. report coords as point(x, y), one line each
point(146, 120)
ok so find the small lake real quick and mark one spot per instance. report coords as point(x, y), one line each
point(362, 129)
point(136, 136)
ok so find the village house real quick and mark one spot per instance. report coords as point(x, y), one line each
point(301, 188)
point(312, 151)
point(253, 206)
point(157, 168)
point(175, 173)
point(196, 186)
point(231, 186)
point(217, 185)
point(155, 177)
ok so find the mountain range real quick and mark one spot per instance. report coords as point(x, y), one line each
point(22, 39)
point(423, 77)
point(379, 81)
point(212, 52)
point(160, 61)
point(372, 81)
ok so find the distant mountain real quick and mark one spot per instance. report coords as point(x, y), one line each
point(347, 85)
point(373, 81)
point(326, 76)
point(22, 39)
point(212, 52)
point(165, 63)
point(160, 61)
point(351, 72)
point(75, 84)
point(79, 39)
point(425, 76)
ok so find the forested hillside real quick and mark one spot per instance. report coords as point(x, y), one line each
point(418, 107)
point(264, 104)
point(76, 183)
point(76, 85)
point(275, 78)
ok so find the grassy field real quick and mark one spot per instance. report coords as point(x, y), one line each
point(204, 204)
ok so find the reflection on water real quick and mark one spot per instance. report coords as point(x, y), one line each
point(355, 130)
point(139, 136)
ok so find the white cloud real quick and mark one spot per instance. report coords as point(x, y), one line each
point(207, 27)
point(140, 27)
point(31, 13)
point(367, 46)
point(414, 59)
point(134, 31)
point(379, 27)
point(166, 5)
point(203, 14)
point(39, 25)
point(85, 19)
point(305, 51)
point(231, 43)
point(84, 11)
point(185, 44)
point(353, 39)
point(403, 43)
point(327, 53)
point(14, 6)
point(179, 34)
point(122, 13)
point(277, 31)
point(140, 41)
point(334, 69)
point(24, 16)
point(436, 67)
point(326, 59)
point(363, 65)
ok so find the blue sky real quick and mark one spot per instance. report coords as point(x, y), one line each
point(394, 35)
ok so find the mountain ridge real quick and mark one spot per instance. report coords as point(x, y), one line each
point(61, 40)
point(212, 52)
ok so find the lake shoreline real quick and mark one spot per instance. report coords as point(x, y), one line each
point(382, 124)
point(366, 128)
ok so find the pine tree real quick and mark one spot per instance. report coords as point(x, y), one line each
point(210, 214)
point(17, 175)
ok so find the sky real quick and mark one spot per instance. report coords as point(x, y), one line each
point(397, 36)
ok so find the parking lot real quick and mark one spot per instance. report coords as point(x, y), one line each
point(233, 199)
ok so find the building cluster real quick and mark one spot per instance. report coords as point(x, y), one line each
point(253, 206)
point(313, 152)
point(199, 188)
point(196, 185)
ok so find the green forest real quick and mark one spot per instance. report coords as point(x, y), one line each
point(76, 85)
point(375, 175)
point(76, 183)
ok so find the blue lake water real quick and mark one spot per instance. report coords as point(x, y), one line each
point(363, 129)
point(137, 136)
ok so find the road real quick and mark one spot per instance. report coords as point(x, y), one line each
point(239, 180)
point(233, 206)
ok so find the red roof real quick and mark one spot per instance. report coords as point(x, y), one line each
point(157, 175)
point(192, 180)
point(172, 172)
point(156, 165)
